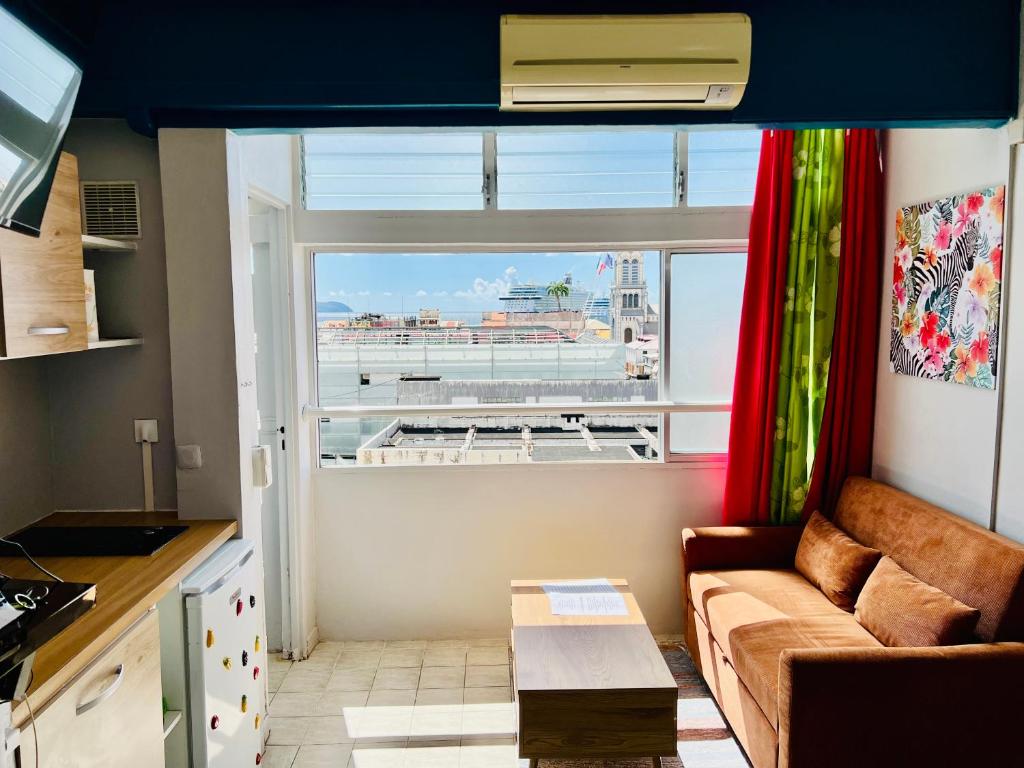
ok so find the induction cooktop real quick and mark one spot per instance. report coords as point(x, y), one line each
point(92, 540)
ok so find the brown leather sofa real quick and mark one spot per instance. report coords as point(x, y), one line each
point(803, 685)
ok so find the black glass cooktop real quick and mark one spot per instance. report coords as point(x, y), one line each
point(92, 540)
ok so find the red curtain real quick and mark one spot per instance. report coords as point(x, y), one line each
point(748, 476)
point(847, 426)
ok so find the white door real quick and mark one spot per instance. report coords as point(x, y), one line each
point(271, 366)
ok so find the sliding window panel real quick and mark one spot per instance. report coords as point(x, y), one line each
point(393, 172)
point(705, 302)
point(586, 169)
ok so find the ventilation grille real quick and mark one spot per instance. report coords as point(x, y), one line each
point(111, 209)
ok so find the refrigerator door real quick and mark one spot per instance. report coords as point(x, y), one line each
point(226, 658)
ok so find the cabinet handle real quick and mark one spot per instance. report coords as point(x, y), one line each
point(81, 709)
point(48, 330)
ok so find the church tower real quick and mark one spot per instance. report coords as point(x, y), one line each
point(629, 297)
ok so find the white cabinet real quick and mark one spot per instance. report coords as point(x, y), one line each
point(109, 716)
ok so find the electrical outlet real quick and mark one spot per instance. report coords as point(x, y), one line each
point(146, 431)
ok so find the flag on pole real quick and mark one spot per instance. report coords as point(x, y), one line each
point(605, 262)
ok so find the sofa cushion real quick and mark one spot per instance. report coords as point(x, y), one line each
point(901, 610)
point(977, 567)
point(756, 614)
point(833, 562)
point(756, 649)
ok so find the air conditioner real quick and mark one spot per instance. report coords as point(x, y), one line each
point(678, 61)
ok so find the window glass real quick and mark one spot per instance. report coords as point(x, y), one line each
point(392, 171)
point(721, 167)
point(497, 328)
point(706, 300)
point(586, 169)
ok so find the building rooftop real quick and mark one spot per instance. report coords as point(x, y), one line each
point(511, 440)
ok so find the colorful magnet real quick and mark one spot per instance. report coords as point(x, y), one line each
point(255, 672)
point(214, 723)
point(256, 645)
point(226, 661)
point(245, 703)
point(259, 758)
point(245, 658)
point(209, 638)
point(252, 601)
point(256, 722)
point(238, 608)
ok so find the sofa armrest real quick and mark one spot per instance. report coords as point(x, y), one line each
point(733, 546)
point(952, 705)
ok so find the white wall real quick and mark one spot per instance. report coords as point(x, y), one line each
point(268, 163)
point(428, 552)
point(933, 439)
point(1010, 508)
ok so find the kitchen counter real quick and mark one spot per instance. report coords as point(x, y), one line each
point(126, 588)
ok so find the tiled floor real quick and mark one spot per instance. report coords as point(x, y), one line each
point(413, 704)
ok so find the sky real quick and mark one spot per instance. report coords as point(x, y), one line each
point(455, 283)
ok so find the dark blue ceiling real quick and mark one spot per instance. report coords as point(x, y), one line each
point(302, 64)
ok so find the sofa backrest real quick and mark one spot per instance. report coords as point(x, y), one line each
point(979, 568)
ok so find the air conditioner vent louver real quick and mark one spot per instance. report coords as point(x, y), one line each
point(111, 209)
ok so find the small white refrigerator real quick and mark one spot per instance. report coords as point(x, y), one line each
point(226, 659)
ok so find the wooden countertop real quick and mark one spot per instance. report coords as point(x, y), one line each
point(126, 587)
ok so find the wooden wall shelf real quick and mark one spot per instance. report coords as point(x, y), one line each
point(93, 243)
point(108, 343)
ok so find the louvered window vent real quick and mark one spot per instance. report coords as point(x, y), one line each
point(111, 209)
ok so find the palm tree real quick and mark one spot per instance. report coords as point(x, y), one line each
point(558, 290)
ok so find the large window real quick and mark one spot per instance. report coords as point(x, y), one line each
point(486, 329)
point(529, 169)
point(459, 358)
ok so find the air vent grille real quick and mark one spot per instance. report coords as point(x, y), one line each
point(111, 209)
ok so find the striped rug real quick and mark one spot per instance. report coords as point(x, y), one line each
point(704, 739)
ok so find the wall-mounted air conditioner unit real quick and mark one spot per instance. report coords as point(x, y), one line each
point(679, 61)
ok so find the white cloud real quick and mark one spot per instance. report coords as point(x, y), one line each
point(387, 293)
point(364, 293)
point(512, 275)
point(337, 294)
point(421, 292)
point(440, 293)
point(484, 290)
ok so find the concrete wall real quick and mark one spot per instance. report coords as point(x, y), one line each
point(429, 552)
point(933, 439)
point(25, 488)
point(95, 396)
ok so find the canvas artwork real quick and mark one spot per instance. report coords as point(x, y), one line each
point(947, 276)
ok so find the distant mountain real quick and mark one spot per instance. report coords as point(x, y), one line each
point(332, 306)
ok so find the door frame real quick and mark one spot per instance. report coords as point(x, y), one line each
point(285, 388)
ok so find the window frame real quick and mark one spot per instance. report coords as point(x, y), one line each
point(678, 229)
point(660, 408)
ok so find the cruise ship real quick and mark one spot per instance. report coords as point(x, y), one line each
point(530, 297)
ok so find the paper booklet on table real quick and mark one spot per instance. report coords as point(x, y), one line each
point(585, 597)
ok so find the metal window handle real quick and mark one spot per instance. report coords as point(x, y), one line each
point(48, 330)
point(81, 709)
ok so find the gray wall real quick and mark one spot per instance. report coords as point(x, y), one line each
point(96, 395)
point(25, 491)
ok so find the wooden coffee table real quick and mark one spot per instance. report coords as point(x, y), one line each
point(588, 686)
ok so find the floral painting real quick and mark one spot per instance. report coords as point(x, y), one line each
point(947, 275)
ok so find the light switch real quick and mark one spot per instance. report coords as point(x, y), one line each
point(145, 431)
point(189, 456)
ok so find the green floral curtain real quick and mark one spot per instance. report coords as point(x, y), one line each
point(808, 317)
